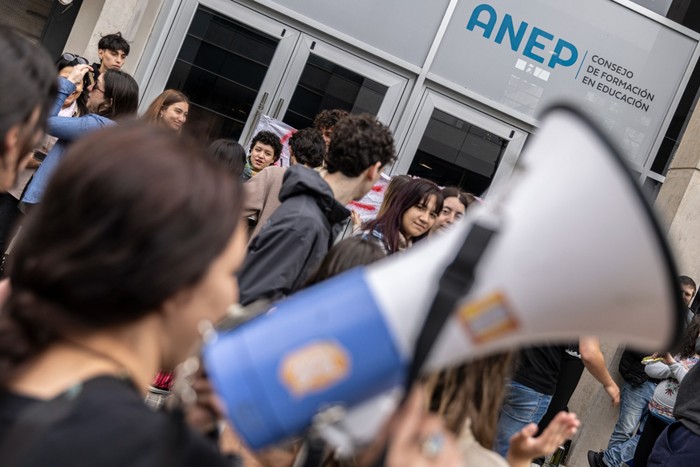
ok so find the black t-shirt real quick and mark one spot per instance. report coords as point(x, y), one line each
point(539, 368)
point(110, 426)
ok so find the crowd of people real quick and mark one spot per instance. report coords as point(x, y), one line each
point(133, 233)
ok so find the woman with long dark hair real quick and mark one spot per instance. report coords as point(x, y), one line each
point(131, 248)
point(407, 217)
point(130, 251)
point(114, 96)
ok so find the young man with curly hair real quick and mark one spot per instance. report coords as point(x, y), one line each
point(265, 150)
point(299, 233)
point(325, 122)
point(262, 192)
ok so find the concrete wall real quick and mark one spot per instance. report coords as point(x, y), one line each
point(593, 406)
point(677, 205)
point(133, 18)
point(84, 27)
point(678, 202)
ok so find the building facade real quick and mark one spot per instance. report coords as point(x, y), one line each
point(460, 82)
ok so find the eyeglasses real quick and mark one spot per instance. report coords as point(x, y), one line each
point(97, 88)
point(74, 58)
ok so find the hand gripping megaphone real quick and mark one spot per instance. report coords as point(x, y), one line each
point(570, 247)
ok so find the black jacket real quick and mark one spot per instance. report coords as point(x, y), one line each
point(295, 238)
point(631, 367)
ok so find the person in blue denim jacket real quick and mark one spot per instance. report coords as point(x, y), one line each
point(114, 96)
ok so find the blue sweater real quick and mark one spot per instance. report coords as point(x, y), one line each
point(67, 130)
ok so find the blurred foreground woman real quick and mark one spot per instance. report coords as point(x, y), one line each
point(133, 246)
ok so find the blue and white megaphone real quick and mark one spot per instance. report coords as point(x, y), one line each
point(570, 247)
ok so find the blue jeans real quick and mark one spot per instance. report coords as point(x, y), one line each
point(634, 402)
point(522, 406)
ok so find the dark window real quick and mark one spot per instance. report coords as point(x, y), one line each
point(325, 85)
point(453, 152)
point(221, 67)
point(27, 16)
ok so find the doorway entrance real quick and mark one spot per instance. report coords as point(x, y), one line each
point(236, 64)
point(456, 145)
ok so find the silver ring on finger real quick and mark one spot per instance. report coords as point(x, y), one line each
point(432, 445)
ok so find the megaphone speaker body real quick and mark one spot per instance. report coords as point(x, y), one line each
point(576, 251)
point(339, 352)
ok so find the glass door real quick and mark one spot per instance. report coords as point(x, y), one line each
point(229, 61)
point(322, 76)
point(236, 64)
point(456, 145)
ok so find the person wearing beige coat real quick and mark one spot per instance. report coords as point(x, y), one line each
point(306, 147)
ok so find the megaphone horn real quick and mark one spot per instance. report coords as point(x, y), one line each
point(570, 247)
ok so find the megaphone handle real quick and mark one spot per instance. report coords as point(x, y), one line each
point(455, 282)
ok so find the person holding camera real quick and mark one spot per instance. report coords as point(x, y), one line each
point(113, 97)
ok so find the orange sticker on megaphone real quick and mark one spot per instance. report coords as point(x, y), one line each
point(314, 367)
point(488, 318)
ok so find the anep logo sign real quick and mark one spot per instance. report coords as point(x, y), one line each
point(485, 17)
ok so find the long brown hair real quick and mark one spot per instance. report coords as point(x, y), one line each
point(119, 232)
point(474, 391)
point(411, 193)
point(685, 348)
point(164, 100)
point(121, 95)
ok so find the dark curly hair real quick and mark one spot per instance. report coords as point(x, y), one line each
point(329, 118)
point(308, 147)
point(270, 139)
point(359, 142)
point(114, 42)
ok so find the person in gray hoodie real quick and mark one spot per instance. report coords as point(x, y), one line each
point(300, 232)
